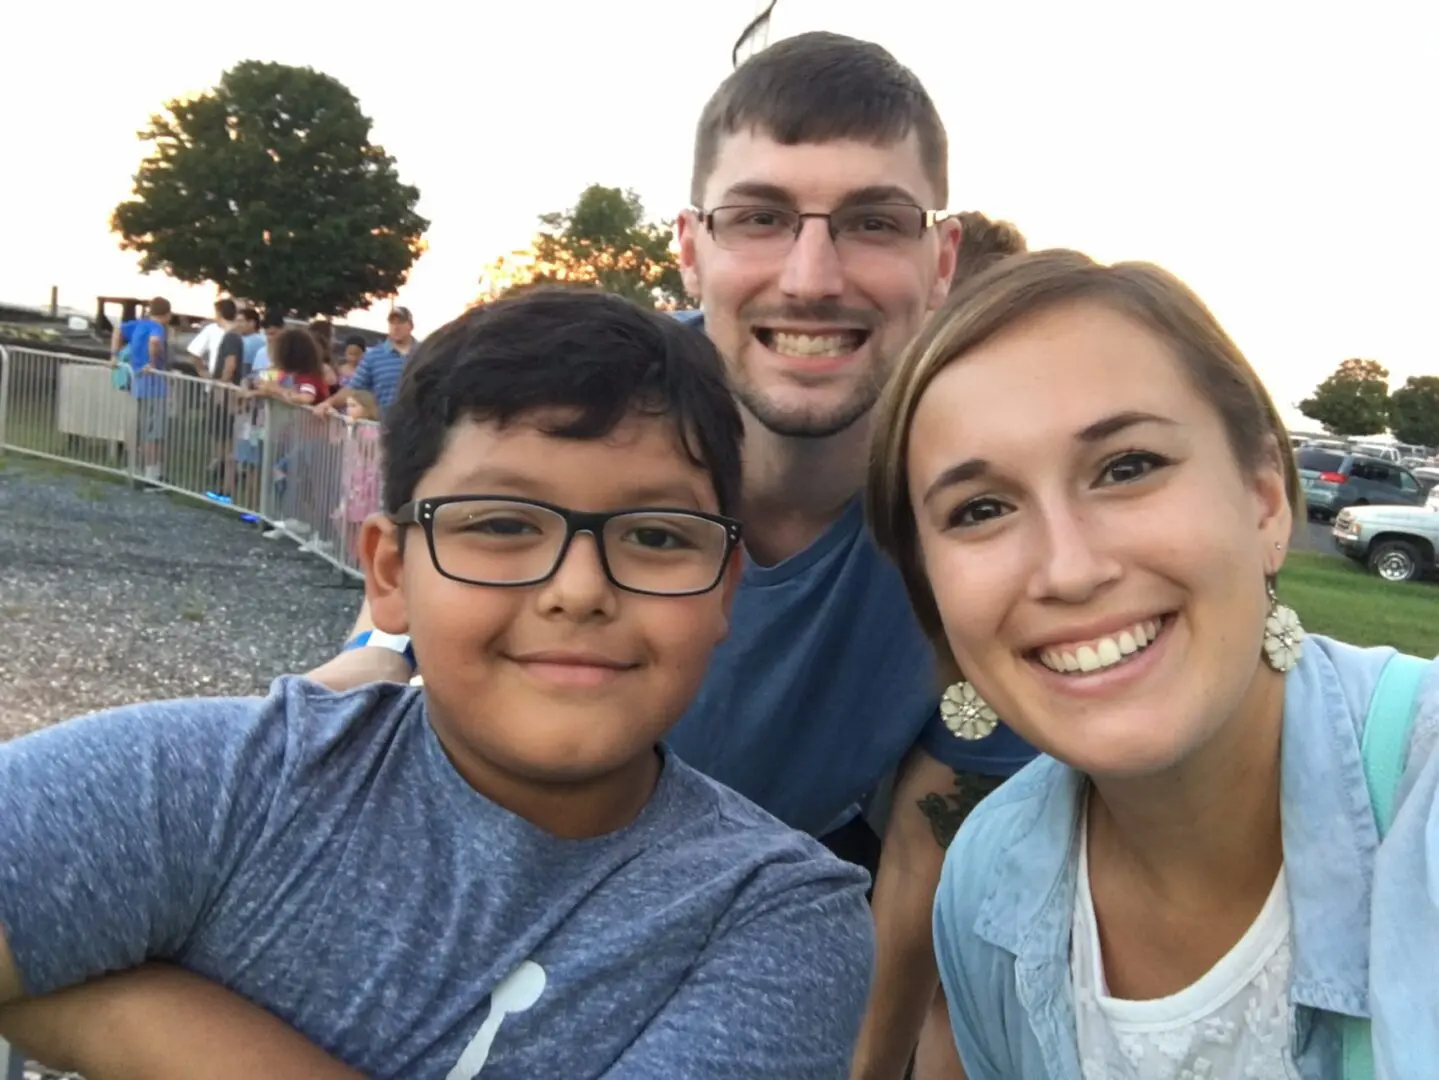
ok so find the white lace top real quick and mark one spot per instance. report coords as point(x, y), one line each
point(1233, 1023)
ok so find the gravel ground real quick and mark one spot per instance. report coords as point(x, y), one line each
point(110, 596)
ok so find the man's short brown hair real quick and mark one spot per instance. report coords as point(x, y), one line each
point(158, 307)
point(817, 88)
point(982, 243)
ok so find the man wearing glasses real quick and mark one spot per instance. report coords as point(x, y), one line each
point(816, 251)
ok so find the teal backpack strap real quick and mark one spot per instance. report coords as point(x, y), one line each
point(1386, 733)
point(1385, 745)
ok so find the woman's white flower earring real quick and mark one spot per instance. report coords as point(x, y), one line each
point(1283, 636)
point(966, 713)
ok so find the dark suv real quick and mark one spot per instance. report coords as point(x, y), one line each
point(1334, 480)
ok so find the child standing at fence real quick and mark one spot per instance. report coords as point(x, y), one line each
point(360, 483)
point(298, 380)
point(350, 361)
point(301, 371)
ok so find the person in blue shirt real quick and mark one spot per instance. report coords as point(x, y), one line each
point(1225, 863)
point(147, 340)
point(380, 368)
point(505, 874)
point(815, 248)
point(248, 324)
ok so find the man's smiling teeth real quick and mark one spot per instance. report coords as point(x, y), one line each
point(840, 344)
point(1101, 652)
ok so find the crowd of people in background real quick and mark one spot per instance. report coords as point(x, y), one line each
point(253, 361)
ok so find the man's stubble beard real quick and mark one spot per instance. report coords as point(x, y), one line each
point(811, 423)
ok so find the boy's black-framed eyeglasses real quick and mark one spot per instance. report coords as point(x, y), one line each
point(506, 542)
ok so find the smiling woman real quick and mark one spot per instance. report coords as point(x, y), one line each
point(1083, 483)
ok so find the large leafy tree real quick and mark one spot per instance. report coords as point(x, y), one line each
point(268, 186)
point(1354, 400)
point(602, 240)
point(1414, 410)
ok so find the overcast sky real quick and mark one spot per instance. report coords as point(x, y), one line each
point(1279, 156)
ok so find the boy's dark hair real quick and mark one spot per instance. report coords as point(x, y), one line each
point(296, 352)
point(251, 315)
point(355, 339)
point(274, 319)
point(982, 243)
point(816, 88)
point(225, 309)
point(574, 349)
point(159, 308)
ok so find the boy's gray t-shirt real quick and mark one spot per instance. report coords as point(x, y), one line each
point(318, 854)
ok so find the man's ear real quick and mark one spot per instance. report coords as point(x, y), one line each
point(687, 229)
point(951, 236)
point(384, 562)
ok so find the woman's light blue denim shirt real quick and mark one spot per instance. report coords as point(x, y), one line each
point(1365, 917)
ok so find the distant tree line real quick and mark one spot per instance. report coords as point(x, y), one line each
point(1355, 400)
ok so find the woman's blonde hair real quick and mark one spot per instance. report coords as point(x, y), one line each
point(1021, 287)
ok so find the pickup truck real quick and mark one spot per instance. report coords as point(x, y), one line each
point(1396, 542)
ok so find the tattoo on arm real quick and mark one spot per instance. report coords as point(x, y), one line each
point(946, 812)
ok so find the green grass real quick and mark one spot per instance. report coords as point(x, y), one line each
point(1339, 598)
point(30, 426)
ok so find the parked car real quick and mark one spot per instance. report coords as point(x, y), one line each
point(1396, 542)
point(1334, 480)
point(1374, 450)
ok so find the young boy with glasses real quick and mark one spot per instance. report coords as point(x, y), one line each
point(505, 874)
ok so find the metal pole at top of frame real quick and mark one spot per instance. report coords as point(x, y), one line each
point(755, 36)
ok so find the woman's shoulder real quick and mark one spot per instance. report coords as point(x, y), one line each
point(1354, 671)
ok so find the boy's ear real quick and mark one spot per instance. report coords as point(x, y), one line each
point(384, 563)
point(729, 585)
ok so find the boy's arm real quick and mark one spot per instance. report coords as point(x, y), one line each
point(162, 1023)
point(10, 988)
point(116, 828)
point(779, 994)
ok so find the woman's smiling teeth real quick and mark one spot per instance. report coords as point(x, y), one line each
point(1101, 653)
point(841, 343)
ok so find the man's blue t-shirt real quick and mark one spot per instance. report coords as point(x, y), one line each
point(137, 334)
point(318, 854)
point(824, 684)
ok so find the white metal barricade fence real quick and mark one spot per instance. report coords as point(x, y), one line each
point(309, 478)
